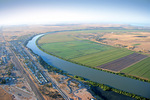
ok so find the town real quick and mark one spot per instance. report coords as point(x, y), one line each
point(23, 77)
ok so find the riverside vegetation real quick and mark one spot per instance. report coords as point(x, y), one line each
point(105, 88)
point(88, 82)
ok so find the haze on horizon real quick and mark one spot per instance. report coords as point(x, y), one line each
point(15, 12)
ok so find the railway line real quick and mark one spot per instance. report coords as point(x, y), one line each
point(47, 76)
point(31, 83)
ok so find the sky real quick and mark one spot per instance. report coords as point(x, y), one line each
point(15, 12)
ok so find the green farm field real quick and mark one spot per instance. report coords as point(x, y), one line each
point(141, 69)
point(50, 38)
point(85, 52)
point(74, 49)
point(104, 57)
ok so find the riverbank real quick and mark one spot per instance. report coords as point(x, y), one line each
point(80, 71)
point(105, 70)
point(103, 87)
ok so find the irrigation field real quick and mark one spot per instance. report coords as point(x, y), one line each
point(81, 51)
point(123, 62)
point(74, 49)
point(141, 69)
point(100, 58)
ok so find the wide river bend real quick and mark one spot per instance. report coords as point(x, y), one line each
point(118, 82)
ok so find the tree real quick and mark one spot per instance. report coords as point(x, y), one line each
point(9, 73)
point(3, 81)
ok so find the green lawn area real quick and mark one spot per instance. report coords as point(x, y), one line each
point(141, 69)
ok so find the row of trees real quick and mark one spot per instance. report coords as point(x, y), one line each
point(107, 88)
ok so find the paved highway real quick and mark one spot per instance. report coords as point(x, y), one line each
point(46, 75)
point(19, 65)
point(25, 75)
point(32, 85)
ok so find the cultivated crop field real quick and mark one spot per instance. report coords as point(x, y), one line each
point(100, 58)
point(141, 69)
point(123, 62)
point(79, 47)
point(74, 49)
point(50, 38)
point(85, 52)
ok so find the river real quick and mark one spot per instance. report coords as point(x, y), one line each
point(115, 81)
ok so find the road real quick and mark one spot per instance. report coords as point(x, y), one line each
point(26, 76)
point(21, 69)
point(47, 75)
point(19, 65)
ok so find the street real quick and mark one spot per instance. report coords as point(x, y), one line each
point(32, 85)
